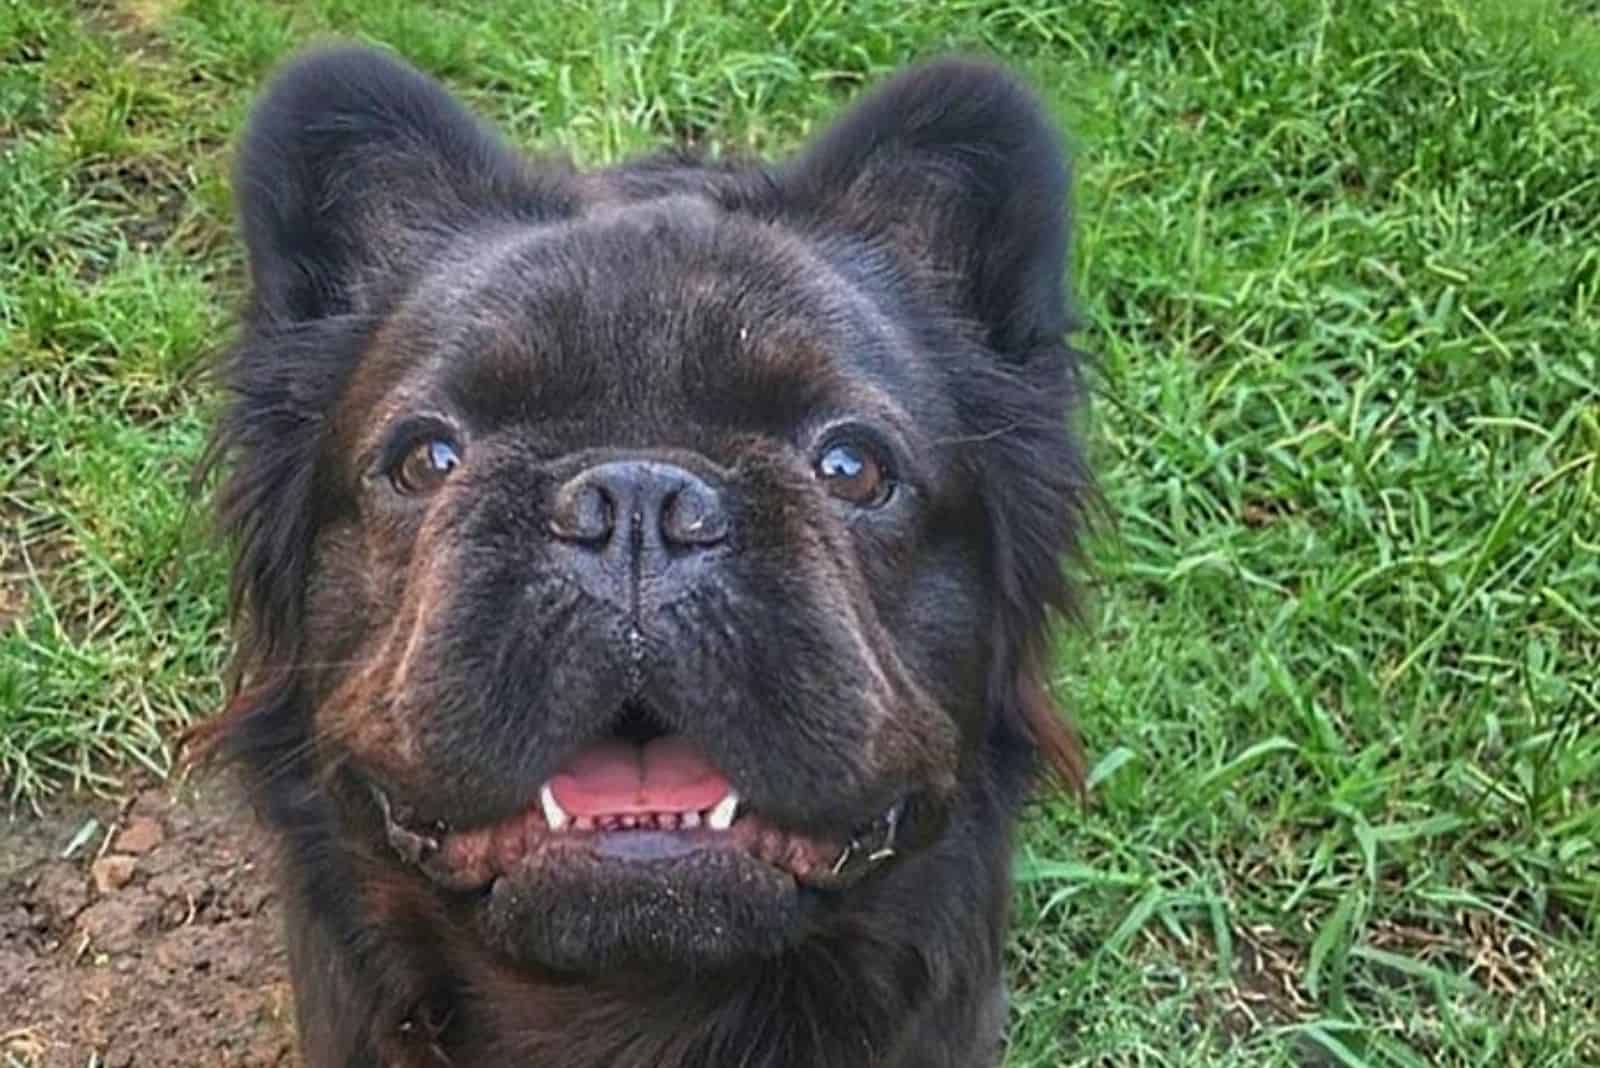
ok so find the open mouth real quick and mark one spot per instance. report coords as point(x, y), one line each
point(638, 796)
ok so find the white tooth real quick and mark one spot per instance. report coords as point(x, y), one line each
point(721, 817)
point(554, 814)
point(689, 820)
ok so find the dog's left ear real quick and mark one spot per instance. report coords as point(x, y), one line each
point(955, 165)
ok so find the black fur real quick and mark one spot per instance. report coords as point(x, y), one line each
point(904, 276)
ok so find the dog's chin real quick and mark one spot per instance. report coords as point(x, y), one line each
point(635, 907)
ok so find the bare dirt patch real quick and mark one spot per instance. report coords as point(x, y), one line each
point(140, 933)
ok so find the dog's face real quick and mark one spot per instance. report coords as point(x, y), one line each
point(652, 544)
point(656, 554)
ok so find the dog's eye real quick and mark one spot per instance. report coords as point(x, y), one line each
point(852, 472)
point(425, 466)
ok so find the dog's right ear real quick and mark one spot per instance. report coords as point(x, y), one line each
point(353, 164)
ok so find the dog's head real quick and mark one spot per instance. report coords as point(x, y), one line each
point(644, 559)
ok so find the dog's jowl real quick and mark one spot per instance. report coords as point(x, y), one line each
point(642, 574)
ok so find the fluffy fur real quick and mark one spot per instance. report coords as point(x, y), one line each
point(902, 276)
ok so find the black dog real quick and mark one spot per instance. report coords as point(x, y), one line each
point(643, 574)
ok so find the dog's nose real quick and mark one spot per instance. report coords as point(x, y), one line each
point(629, 520)
point(655, 505)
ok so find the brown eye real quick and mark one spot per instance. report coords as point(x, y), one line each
point(425, 466)
point(852, 472)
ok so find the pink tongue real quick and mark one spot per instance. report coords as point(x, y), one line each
point(621, 778)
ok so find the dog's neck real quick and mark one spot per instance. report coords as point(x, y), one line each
point(805, 1011)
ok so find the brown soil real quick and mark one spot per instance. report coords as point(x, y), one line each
point(153, 942)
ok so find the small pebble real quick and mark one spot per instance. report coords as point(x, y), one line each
point(112, 872)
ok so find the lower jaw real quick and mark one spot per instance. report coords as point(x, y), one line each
point(649, 901)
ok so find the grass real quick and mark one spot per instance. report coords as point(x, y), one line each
point(1343, 265)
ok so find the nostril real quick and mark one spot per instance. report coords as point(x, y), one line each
point(583, 512)
point(693, 516)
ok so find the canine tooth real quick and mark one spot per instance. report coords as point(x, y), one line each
point(554, 814)
point(721, 817)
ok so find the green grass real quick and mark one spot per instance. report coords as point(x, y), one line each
point(1343, 264)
